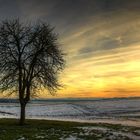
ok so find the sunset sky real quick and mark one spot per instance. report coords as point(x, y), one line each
point(100, 37)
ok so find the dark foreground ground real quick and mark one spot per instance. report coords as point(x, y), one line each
point(59, 130)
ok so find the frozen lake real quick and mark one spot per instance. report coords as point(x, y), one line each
point(86, 110)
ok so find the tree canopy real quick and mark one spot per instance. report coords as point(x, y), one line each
point(30, 58)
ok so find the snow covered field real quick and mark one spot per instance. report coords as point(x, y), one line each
point(96, 110)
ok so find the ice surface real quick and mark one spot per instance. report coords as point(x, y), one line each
point(84, 110)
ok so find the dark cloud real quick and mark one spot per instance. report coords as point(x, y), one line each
point(117, 73)
point(9, 9)
point(69, 15)
point(121, 90)
point(104, 43)
point(87, 50)
point(63, 13)
point(107, 43)
point(110, 5)
point(125, 37)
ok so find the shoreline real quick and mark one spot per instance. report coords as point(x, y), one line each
point(123, 122)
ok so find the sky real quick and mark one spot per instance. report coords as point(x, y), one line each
point(100, 37)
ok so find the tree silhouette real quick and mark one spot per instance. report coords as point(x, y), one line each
point(30, 59)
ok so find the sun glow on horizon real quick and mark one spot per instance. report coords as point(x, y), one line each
point(106, 75)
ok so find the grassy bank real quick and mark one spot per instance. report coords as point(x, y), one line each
point(59, 130)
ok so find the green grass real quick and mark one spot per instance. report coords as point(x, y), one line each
point(54, 130)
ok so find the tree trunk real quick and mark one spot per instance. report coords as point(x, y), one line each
point(22, 114)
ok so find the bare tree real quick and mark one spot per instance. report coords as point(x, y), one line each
point(30, 59)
